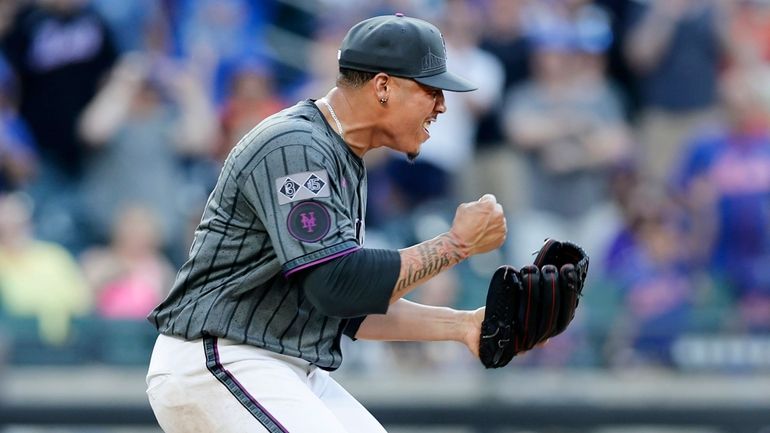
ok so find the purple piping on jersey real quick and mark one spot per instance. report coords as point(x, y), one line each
point(324, 259)
point(243, 389)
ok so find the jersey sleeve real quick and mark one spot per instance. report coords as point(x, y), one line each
point(297, 193)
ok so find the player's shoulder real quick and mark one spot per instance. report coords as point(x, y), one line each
point(295, 122)
point(297, 125)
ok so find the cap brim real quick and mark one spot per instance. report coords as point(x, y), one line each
point(447, 81)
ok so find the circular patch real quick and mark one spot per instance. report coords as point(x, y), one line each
point(309, 221)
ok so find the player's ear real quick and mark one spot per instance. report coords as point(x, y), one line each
point(382, 83)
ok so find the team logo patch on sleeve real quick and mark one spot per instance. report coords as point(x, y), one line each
point(302, 186)
point(309, 221)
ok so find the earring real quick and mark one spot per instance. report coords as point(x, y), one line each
point(383, 100)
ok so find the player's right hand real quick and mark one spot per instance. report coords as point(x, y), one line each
point(479, 226)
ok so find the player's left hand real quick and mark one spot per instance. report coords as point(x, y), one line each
point(526, 307)
point(472, 337)
point(472, 334)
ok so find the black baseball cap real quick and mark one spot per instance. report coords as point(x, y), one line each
point(401, 46)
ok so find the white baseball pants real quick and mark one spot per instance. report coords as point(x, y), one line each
point(215, 385)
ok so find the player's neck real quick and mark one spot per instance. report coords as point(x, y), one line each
point(352, 113)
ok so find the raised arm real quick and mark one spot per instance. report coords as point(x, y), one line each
point(650, 38)
point(478, 227)
point(110, 108)
point(369, 281)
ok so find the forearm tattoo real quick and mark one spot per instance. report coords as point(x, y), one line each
point(426, 260)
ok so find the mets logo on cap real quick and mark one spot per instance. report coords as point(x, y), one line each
point(309, 221)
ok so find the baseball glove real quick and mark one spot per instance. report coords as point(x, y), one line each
point(527, 307)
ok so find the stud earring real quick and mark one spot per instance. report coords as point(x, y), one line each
point(383, 100)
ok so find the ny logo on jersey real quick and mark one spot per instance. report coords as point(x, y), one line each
point(308, 222)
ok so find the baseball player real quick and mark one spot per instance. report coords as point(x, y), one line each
point(278, 270)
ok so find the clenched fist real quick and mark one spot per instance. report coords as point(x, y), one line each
point(479, 226)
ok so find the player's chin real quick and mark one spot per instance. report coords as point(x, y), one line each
point(413, 152)
point(412, 156)
point(419, 141)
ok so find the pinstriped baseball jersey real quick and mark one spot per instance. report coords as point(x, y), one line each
point(291, 194)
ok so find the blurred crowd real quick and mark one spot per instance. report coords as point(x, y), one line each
point(638, 128)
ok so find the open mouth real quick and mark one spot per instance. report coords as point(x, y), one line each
point(426, 125)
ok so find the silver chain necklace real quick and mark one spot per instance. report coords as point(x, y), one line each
point(334, 115)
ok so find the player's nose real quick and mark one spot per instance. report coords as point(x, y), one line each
point(439, 105)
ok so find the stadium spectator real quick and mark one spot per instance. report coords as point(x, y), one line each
point(250, 99)
point(573, 133)
point(497, 166)
point(675, 48)
point(213, 33)
point(130, 275)
point(59, 50)
point(725, 180)
point(650, 265)
point(149, 115)
point(38, 279)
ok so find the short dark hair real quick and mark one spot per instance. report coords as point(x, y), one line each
point(353, 78)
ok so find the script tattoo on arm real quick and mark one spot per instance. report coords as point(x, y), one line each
point(424, 261)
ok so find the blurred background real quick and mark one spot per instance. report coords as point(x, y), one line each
point(638, 129)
